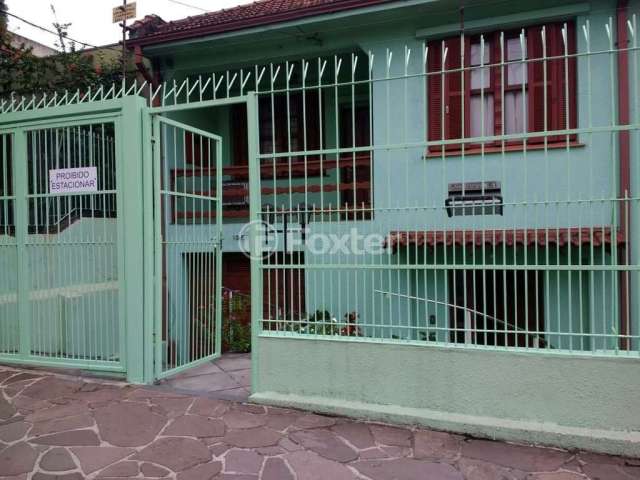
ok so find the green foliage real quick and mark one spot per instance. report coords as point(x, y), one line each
point(238, 336)
point(320, 323)
point(236, 323)
point(24, 73)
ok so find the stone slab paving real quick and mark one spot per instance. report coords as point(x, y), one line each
point(64, 427)
point(226, 378)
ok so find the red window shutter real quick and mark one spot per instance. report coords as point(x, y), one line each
point(537, 80)
point(456, 93)
point(434, 93)
point(555, 80)
point(563, 78)
point(496, 85)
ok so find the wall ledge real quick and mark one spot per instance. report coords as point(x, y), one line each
point(516, 20)
point(615, 442)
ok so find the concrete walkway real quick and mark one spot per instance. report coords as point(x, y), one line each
point(226, 378)
point(65, 427)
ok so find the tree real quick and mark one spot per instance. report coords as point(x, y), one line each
point(3, 19)
point(22, 72)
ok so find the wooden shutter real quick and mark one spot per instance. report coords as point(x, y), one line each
point(555, 80)
point(456, 93)
point(434, 93)
point(563, 79)
point(537, 78)
point(496, 84)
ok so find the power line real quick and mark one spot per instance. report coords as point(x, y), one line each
point(189, 5)
point(44, 29)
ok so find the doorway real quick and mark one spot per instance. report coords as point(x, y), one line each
point(496, 307)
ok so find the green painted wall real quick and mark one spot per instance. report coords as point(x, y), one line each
point(559, 399)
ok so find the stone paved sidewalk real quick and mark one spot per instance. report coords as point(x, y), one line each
point(57, 427)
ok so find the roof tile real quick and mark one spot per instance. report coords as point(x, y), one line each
point(261, 12)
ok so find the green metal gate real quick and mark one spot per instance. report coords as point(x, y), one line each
point(60, 242)
point(122, 275)
point(188, 235)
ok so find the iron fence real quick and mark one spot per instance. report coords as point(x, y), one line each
point(474, 191)
point(477, 191)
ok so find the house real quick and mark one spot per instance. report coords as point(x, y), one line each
point(37, 49)
point(432, 204)
point(495, 241)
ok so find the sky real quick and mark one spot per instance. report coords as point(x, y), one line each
point(91, 19)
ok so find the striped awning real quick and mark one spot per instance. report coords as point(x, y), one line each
point(596, 236)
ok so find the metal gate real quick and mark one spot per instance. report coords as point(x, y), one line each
point(188, 235)
point(60, 289)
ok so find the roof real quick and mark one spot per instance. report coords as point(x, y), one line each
point(597, 236)
point(153, 30)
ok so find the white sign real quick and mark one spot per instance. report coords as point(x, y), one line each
point(73, 180)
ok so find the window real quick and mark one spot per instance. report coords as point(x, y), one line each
point(282, 123)
point(196, 149)
point(355, 177)
point(486, 98)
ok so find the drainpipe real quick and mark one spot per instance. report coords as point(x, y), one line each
point(624, 149)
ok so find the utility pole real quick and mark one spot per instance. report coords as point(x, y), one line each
point(120, 16)
point(124, 41)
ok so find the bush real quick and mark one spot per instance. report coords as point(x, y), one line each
point(236, 322)
point(237, 336)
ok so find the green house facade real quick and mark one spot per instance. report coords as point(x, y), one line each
point(430, 206)
point(558, 196)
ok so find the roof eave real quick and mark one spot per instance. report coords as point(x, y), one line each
point(237, 26)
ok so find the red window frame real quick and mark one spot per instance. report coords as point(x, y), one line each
point(445, 88)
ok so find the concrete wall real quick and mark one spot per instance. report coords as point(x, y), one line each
point(554, 399)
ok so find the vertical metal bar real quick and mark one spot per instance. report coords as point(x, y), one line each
point(219, 246)
point(160, 313)
point(19, 167)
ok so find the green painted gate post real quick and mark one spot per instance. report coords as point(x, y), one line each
point(131, 258)
point(22, 216)
point(255, 207)
point(150, 137)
